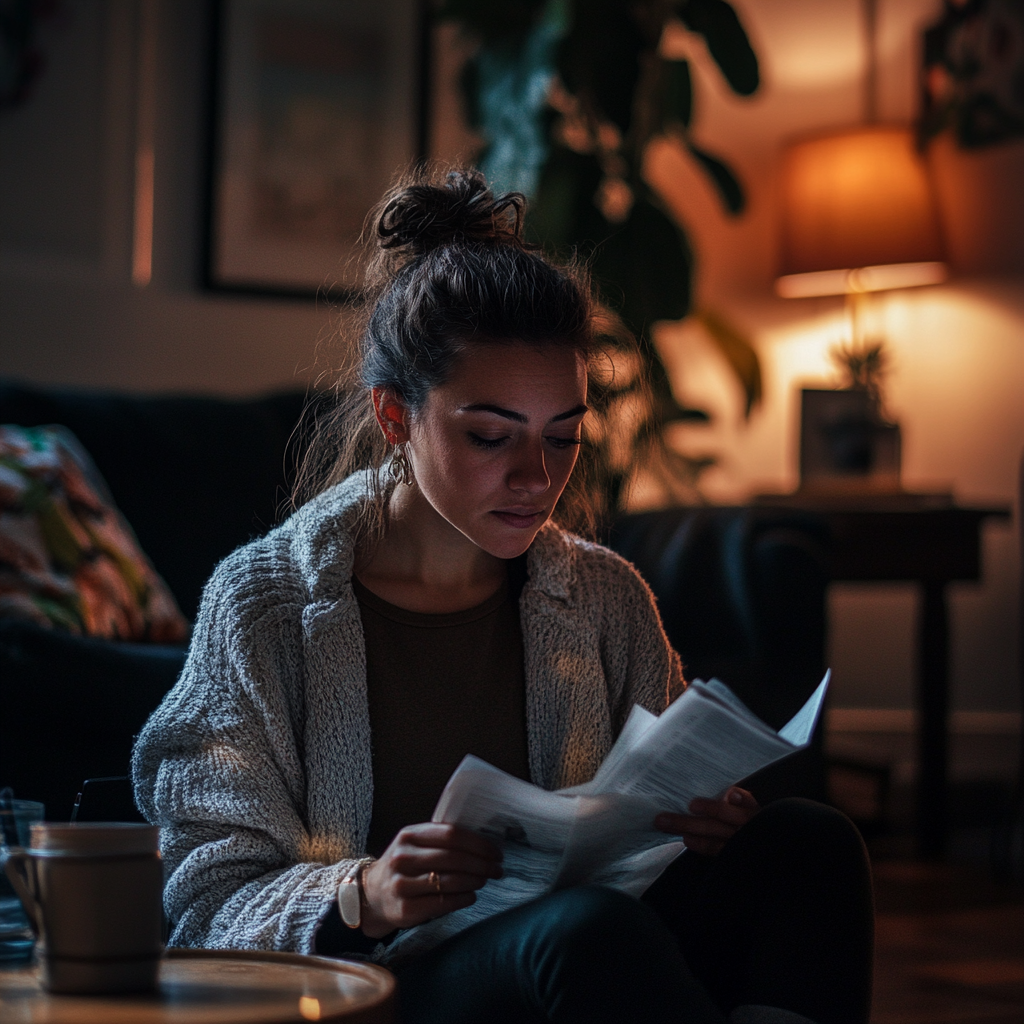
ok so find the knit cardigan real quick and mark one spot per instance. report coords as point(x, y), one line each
point(257, 765)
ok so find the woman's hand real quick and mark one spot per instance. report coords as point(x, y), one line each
point(711, 823)
point(428, 870)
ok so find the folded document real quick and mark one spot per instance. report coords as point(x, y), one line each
point(603, 831)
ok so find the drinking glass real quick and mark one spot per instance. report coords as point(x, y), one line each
point(16, 938)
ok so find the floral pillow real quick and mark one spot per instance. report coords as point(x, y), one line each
point(68, 558)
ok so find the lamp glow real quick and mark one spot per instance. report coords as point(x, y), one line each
point(863, 279)
point(858, 215)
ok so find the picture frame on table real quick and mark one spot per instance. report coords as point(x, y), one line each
point(316, 106)
point(845, 443)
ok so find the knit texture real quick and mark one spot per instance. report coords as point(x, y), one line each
point(257, 764)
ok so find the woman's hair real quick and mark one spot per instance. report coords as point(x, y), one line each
point(448, 266)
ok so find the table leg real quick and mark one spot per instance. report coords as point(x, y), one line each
point(933, 723)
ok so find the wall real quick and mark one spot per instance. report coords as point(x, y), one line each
point(70, 312)
point(71, 315)
point(957, 383)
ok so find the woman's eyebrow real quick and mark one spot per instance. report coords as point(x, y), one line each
point(496, 409)
point(518, 417)
point(578, 411)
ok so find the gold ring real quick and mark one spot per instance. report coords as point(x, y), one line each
point(435, 882)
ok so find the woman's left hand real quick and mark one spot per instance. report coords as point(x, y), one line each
point(711, 823)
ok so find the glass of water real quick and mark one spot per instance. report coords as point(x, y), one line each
point(16, 938)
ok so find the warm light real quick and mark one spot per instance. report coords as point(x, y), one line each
point(142, 242)
point(863, 279)
point(309, 1008)
point(145, 161)
point(857, 209)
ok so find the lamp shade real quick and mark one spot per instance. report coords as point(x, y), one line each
point(858, 199)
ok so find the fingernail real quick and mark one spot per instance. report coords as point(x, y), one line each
point(735, 798)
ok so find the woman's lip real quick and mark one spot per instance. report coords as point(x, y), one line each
point(520, 520)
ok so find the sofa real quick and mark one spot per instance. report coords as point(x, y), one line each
point(195, 477)
point(741, 591)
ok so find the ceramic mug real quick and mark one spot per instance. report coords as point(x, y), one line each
point(93, 895)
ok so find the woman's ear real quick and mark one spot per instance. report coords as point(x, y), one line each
point(392, 414)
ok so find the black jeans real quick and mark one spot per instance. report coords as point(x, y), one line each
point(782, 917)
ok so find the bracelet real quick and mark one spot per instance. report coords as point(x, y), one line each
point(350, 894)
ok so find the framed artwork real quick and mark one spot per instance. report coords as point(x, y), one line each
point(317, 105)
point(844, 442)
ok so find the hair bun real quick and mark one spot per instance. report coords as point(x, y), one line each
point(422, 216)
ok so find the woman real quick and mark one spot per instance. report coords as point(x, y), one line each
point(424, 605)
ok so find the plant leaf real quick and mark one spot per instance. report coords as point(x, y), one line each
point(469, 87)
point(511, 89)
point(727, 42)
point(496, 21)
point(739, 353)
point(688, 415)
point(599, 59)
point(677, 97)
point(645, 267)
point(729, 188)
point(562, 215)
point(983, 121)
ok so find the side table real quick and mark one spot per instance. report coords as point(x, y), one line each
point(204, 986)
point(928, 540)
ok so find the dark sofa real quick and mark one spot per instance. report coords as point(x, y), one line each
point(742, 591)
point(196, 477)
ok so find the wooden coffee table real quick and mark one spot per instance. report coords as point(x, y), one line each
point(202, 986)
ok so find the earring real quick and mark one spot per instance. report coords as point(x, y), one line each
point(399, 467)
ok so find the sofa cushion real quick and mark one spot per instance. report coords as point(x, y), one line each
point(68, 558)
point(72, 707)
point(195, 476)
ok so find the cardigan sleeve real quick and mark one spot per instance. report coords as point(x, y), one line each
point(218, 767)
point(641, 665)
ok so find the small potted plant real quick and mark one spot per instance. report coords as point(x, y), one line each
point(847, 442)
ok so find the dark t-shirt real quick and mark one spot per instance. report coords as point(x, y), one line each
point(439, 687)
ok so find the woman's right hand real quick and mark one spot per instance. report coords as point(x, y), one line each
point(428, 870)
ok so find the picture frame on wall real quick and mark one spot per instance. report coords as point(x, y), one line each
point(317, 105)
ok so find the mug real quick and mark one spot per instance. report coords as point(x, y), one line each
point(93, 896)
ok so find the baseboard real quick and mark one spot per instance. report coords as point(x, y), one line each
point(904, 720)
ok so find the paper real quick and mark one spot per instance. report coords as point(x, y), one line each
point(603, 831)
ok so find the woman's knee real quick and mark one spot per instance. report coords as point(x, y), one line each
point(802, 823)
point(607, 943)
point(590, 921)
point(587, 912)
point(797, 839)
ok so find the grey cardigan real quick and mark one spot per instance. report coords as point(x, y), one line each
point(257, 764)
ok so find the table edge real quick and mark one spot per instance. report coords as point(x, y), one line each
point(376, 972)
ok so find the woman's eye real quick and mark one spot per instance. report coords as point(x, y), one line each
point(487, 442)
point(564, 442)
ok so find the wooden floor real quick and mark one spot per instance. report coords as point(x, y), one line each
point(949, 946)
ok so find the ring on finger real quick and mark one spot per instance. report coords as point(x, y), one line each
point(435, 883)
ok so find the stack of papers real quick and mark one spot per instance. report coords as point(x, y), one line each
point(603, 831)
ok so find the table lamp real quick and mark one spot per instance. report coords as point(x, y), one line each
point(858, 216)
point(858, 211)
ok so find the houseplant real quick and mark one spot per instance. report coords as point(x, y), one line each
point(567, 95)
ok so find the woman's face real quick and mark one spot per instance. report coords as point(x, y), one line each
point(492, 448)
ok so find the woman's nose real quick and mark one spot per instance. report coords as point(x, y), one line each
point(529, 473)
